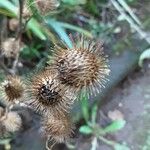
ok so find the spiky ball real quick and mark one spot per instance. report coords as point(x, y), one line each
point(47, 94)
point(12, 89)
point(13, 24)
point(82, 67)
point(10, 47)
point(59, 128)
point(12, 122)
point(46, 6)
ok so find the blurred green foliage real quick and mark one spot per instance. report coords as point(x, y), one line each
point(91, 127)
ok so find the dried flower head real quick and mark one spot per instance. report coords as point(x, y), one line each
point(12, 89)
point(10, 47)
point(47, 95)
point(13, 24)
point(11, 121)
point(45, 6)
point(82, 67)
point(59, 128)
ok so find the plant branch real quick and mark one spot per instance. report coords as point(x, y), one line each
point(132, 23)
point(21, 2)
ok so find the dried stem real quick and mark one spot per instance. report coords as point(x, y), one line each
point(19, 34)
point(47, 143)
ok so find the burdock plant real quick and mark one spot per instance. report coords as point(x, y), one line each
point(57, 128)
point(12, 89)
point(47, 95)
point(82, 67)
point(52, 91)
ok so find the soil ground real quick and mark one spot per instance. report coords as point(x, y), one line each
point(131, 98)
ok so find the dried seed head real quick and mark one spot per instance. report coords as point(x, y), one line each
point(46, 6)
point(59, 128)
point(82, 67)
point(10, 47)
point(47, 95)
point(12, 122)
point(12, 89)
point(13, 24)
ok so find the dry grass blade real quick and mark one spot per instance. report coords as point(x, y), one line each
point(130, 20)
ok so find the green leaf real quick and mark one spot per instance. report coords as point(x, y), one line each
point(60, 31)
point(8, 6)
point(114, 126)
point(85, 107)
point(94, 113)
point(16, 2)
point(121, 147)
point(30, 52)
point(75, 28)
point(6, 13)
point(35, 27)
point(86, 130)
point(144, 55)
point(74, 2)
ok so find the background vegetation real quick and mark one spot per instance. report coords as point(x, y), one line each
point(122, 25)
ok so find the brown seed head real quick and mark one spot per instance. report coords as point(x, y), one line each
point(13, 24)
point(59, 128)
point(82, 67)
point(10, 47)
point(12, 89)
point(46, 6)
point(12, 122)
point(47, 95)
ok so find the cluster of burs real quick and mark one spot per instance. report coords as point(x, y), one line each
point(52, 91)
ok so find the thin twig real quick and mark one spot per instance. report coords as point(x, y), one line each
point(135, 26)
point(15, 62)
point(111, 143)
point(131, 13)
point(26, 22)
point(19, 34)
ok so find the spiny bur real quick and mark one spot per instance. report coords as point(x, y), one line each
point(47, 94)
point(13, 24)
point(12, 89)
point(58, 128)
point(82, 67)
point(10, 48)
point(11, 121)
